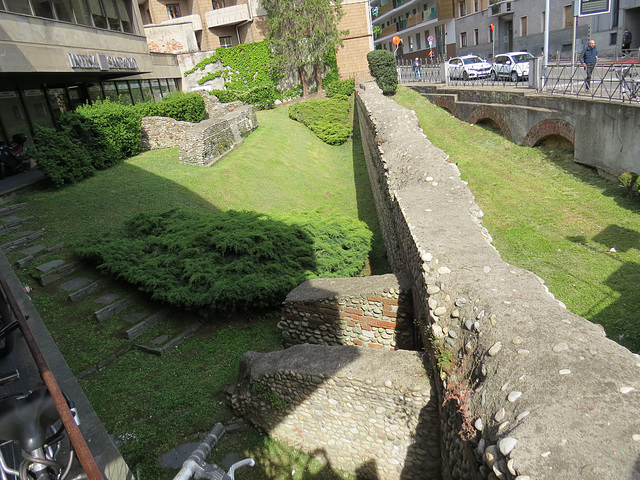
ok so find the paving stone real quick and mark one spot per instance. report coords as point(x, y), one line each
point(107, 298)
point(49, 265)
point(160, 340)
point(33, 250)
point(75, 284)
point(10, 219)
point(133, 317)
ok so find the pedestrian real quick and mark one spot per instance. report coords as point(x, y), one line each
point(416, 68)
point(589, 59)
point(626, 42)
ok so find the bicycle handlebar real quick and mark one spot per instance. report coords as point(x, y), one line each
point(195, 466)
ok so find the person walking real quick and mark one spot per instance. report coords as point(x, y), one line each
point(626, 42)
point(589, 60)
point(416, 68)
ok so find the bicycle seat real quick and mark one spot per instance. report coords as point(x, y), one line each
point(26, 419)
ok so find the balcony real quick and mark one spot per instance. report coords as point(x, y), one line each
point(227, 16)
point(503, 8)
point(195, 21)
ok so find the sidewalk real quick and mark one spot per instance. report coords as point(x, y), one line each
point(20, 181)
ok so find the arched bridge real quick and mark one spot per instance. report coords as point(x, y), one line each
point(605, 135)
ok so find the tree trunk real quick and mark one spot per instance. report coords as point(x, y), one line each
point(303, 81)
point(319, 77)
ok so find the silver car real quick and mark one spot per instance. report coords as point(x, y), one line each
point(513, 66)
point(468, 67)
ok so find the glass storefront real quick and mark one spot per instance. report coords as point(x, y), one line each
point(21, 110)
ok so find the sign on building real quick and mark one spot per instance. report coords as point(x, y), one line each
point(594, 7)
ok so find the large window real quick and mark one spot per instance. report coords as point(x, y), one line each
point(81, 12)
point(226, 42)
point(523, 26)
point(463, 39)
point(18, 6)
point(568, 16)
point(12, 114)
point(97, 14)
point(173, 10)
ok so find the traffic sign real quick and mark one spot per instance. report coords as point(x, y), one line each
point(594, 7)
point(430, 38)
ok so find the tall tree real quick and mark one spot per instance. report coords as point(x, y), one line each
point(301, 32)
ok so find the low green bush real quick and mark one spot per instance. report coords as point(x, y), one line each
point(120, 123)
point(88, 135)
point(327, 118)
point(629, 181)
point(59, 158)
point(340, 88)
point(229, 260)
point(382, 66)
point(186, 107)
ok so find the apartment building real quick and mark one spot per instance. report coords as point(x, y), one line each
point(415, 22)
point(57, 54)
point(187, 26)
point(485, 27)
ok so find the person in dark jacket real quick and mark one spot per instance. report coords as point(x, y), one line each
point(589, 60)
point(626, 42)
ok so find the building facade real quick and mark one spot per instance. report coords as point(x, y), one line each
point(187, 26)
point(58, 54)
point(415, 22)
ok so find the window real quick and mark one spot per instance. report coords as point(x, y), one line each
point(613, 38)
point(523, 26)
point(568, 16)
point(125, 15)
point(18, 6)
point(410, 43)
point(83, 16)
point(42, 9)
point(463, 8)
point(463, 39)
point(543, 20)
point(63, 12)
point(418, 41)
point(509, 7)
point(476, 6)
point(112, 15)
point(217, 4)
point(95, 10)
point(226, 42)
point(173, 10)
point(476, 37)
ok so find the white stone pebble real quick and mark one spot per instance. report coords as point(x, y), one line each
point(513, 396)
point(493, 351)
point(636, 437)
point(560, 347)
point(565, 371)
point(506, 445)
point(522, 415)
point(626, 389)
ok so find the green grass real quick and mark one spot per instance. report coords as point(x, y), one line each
point(551, 216)
point(156, 403)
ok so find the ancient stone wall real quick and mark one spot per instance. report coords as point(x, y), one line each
point(366, 411)
point(527, 390)
point(372, 312)
point(206, 142)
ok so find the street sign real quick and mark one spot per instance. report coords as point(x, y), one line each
point(430, 39)
point(594, 7)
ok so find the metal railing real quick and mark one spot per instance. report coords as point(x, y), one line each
point(614, 81)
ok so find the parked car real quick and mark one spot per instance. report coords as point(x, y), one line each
point(468, 66)
point(513, 66)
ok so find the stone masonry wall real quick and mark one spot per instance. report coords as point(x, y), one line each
point(366, 411)
point(202, 143)
point(527, 389)
point(373, 312)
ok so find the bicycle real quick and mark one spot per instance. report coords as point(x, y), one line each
point(195, 466)
point(32, 424)
point(628, 88)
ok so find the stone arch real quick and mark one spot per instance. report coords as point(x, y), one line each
point(493, 114)
point(447, 103)
point(546, 128)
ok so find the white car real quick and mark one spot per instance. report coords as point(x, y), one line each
point(513, 66)
point(468, 67)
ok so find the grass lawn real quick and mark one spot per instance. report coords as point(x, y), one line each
point(152, 404)
point(551, 216)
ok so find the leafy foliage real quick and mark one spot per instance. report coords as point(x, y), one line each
point(248, 73)
point(628, 181)
point(59, 158)
point(382, 66)
point(327, 118)
point(303, 32)
point(88, 135)
point(231, 260)
point(186, 107)
point(340, 88)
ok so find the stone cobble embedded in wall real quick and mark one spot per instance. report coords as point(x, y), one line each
point(373, 312)
point(364, 411)
point(529, 390)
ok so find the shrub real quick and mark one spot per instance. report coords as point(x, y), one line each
point(59, 158)
point(120, 123)
point(628, 181)
point(230, 260)
point(327, 118)
point(382, 66)
point(340, 88)
point(187, 107)
point(88, 135)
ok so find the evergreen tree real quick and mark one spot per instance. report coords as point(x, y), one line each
point(301, 32)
